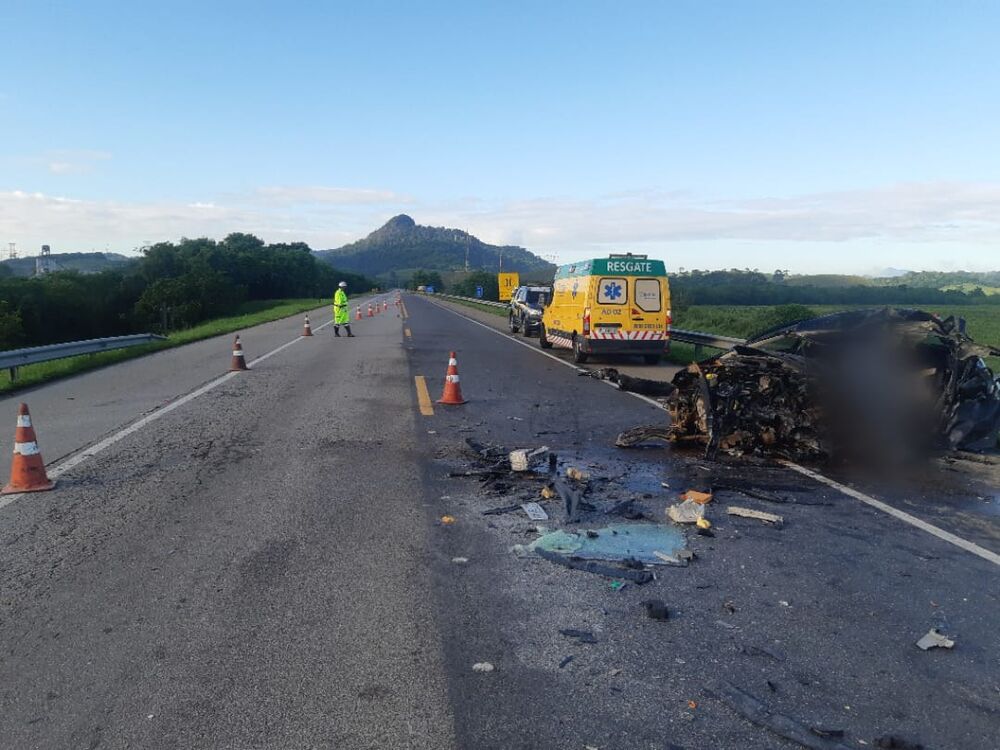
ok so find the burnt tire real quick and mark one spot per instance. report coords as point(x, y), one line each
point(542, 339)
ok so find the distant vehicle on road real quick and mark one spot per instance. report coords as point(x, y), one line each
point(614, 305)
point(526, 305)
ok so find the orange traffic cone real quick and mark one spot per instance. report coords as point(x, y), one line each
point(385, 305)
point(370, 313)
point(307, 330)
point(359, 313)
point(27, 472)
point(452, 390)
point(239, 361)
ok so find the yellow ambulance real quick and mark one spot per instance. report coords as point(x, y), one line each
point(614, 305)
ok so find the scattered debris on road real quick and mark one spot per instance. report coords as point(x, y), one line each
point(483, 667)
point(772, 518)
point(581, 636)
point(642, 386)
point(447, 520)
point(639, 435)
point(934, 639)
point(686, 512)
point(644, 544)
point(656, 609)
point(697, 497)
point(535, 511)
point(522, 459)
point(757, 712)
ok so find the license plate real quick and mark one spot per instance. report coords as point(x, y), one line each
point(606, 329)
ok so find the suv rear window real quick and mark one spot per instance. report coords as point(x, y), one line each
point(647, 294)
point(535, 295)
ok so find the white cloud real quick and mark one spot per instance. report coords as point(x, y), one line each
point(906, 225)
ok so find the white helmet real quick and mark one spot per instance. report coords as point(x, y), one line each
point(342, 285)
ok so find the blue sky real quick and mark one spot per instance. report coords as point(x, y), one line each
point(819, 137)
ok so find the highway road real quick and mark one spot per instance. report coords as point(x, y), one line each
point(265, 565)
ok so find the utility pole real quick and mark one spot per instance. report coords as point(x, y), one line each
point(12, 251)
point(467, 237)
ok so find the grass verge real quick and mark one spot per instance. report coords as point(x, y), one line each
point(249, 314)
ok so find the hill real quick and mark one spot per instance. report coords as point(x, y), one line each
point(402, 246)
point(82, 262)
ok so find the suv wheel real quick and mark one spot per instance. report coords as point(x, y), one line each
point(511, 323)
point(525, 327)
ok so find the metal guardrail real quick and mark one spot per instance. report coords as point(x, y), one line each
point(698, 338)
point(15, 358)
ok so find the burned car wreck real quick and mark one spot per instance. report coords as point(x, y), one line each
point(856, 381)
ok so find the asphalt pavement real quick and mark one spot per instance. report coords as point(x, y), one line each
point(283, 561)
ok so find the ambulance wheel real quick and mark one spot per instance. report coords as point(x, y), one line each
point(651, 359)
point(542, 339)
point(579, 356)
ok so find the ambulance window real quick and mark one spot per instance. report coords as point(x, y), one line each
point(612, 292)
point(647, 294)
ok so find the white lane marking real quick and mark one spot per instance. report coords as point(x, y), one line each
point(896, 513)
point(902, 515)
point(78, 458)
point(538, 350)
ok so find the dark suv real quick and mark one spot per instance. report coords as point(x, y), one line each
point(526, 304)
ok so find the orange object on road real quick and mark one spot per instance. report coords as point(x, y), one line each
point(385, 305)
point(359, 313)
point(452, 389)
point(307, 329)
point(239, 361)
point(27, 471)
point(697, 497)
point(371, 314)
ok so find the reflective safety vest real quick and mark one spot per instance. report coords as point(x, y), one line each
point(341, 313)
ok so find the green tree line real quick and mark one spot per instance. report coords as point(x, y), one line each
point(750, 287)
point(173, 286)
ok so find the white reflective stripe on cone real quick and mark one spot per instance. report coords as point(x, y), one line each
point(237, 354)
point(26, 449)
point(24, 420)
point(451, 378)
point(452, 363)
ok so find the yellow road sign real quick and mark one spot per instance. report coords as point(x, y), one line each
point(507, 282)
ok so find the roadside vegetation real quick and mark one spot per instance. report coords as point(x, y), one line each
point(170, 288)
point(248, 314)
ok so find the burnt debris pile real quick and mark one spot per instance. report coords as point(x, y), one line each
point(863, 382)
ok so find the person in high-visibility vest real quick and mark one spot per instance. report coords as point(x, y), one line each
point(341, 314)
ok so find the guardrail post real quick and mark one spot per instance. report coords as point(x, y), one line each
point(13, 374)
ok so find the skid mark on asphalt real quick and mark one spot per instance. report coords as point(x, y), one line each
point(76, 459)
point(877, 504)
point(423, 396)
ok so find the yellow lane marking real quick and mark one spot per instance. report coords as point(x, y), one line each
point(423, 397)
point(407, 332)
point(405, 313)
